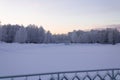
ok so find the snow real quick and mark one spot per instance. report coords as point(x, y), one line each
point(18, 59)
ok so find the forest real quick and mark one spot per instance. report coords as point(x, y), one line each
point(37, 34)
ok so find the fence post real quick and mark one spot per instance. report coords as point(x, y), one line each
point(58, 76)
point(12, 79)
point(113, 75)
point(26, 78)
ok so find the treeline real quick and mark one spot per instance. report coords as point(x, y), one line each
point(34, 34)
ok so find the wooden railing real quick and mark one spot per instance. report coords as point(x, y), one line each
point(99, 74)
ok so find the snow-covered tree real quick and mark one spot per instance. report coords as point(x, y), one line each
point(73, 36)
point(21, 35)
point(41, 34)
point(48, 37)
point(113, 36)
point(33, 34)
point(8, 32)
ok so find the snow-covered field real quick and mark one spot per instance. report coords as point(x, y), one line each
point(38, 58)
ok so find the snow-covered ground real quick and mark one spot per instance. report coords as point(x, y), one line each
point(38, 58)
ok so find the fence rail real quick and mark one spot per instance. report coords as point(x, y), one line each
point(98, 74)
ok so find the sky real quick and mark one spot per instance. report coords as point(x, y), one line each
point(61, 16)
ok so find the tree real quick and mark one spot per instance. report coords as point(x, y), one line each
point(21, 35)
point(33, 34)
point(8, 32)
point(48, 37)
point(73, 36)
point(41, 36)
